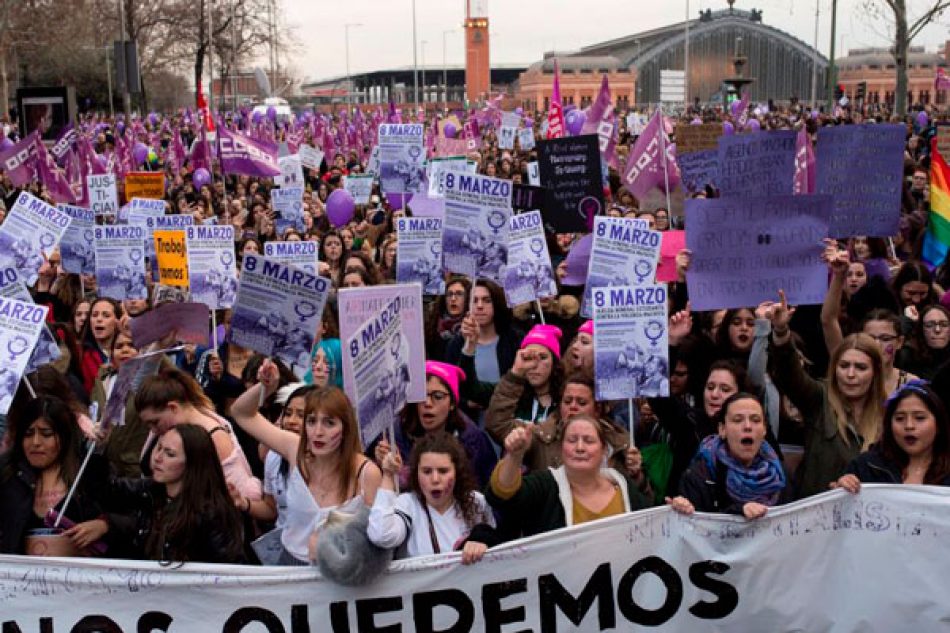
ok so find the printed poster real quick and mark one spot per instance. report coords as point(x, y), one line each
point(419, 253)
point(624, 253)
point(20, 327)
point(30, 232)
point(77, 248)
point(475, 231)
point(211, 270)
point(120, 261)
point(288, 209)
point(303, 255)
point(529, 274)
point(47, 348)
point(402, 158)
point(360, 187)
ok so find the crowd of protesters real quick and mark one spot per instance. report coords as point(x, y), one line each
point(221, 448)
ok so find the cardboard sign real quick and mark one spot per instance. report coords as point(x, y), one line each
point(571, 172)
point(144, 184)
point(697, 138)
point(172, 258)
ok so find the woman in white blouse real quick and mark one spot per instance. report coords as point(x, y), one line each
point(442, 507)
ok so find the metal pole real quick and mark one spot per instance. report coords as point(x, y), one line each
point(445, 71)
point(832, 70)
point(424, 95)
point(415, 61)
point(686, 62)
point(210, 60)
point(109, 84)
point(814, 63)
point(234, 54)
point(126, 98)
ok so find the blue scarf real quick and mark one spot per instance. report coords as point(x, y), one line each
point(761, 482)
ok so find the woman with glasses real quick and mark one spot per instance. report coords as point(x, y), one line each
point(930, 347)
point(440, 412)
point(444, 317)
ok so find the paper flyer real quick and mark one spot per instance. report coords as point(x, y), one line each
point(212, 273)
point(529, 275)
point(475, 231)
point(419, 253)
point(31, 230)
point(624, 253)
point(402, 158)
point(120, 261)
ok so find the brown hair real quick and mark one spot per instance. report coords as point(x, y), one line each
point(171, 385)
point(334, 403)
point(465, 484)
point(872, 414)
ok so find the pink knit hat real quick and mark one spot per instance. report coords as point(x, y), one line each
point(449, 374)
point(587, 328)
point(548, 336)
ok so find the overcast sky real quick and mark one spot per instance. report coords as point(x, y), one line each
point(521, 30)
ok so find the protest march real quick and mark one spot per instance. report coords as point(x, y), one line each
point(478, 369)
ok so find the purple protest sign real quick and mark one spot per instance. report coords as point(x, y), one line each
point(699, 169)
point(186, 322)
point(746, 249)
point(760, 164)
point(242, 155)
point(862, 166)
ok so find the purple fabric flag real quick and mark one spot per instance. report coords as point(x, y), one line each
point(645, 165)
point(50, 175)
point(804, 165)
point(201, 151)
point(18, 162)
point(245, 156)
point(742, 110)
point(394, 116)
point(64, 143)
point(602, 121)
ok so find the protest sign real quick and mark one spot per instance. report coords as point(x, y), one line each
point(291, 171)
point(47, 349)
point(103, 198)
point(671, 244)
point(278, 311)
point(422, 206)
point(379, 353)
point(528, 198)
point(438, 167)
point(419, 253)
point(372, 167)
point(211, 271)
point(129, 378)
point(703, 573)
point(697, 138)
point(744, 250)
point(310, 157)
point(506, 137)
point(144, 184)
point(529, 275)
point(360, 187)
point(625, 252)
point(162, 223)
point(402, 158)
point(120, 261)
point(20, 325)
point(570, 170)
point(631, 357)
point(170, 255)
point(759, 164)
point(450, 146)
point(184, 322)
point(526, 139)
point(30, 232)
point(534, 174)
point(303, 255)
point(288, 208)
point(356, 305)
point(475, 231)
point(698, 170)
point(77, 248)
point(141, 208)
point(862, 166)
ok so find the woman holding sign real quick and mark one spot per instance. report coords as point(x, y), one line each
point(327, 468)
point(843, 414)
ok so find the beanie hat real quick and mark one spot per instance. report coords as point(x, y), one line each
point(449, 374)
point(586, 328)
point(548, 336)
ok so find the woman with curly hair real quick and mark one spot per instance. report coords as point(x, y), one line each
point(442, 506)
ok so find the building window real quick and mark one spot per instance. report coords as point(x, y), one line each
point(547, 103)
point(941, 97)
point(925, 97)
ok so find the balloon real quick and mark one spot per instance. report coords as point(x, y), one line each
point(696, 121)
point(575, 121)
point(529, 123)
point(519, 111)
point(922, 119)
point(728, 129)
point(398, 200)
point(271, 113)
point(140, 153)
point(152, 118)
point(256, 117)
point(754, 125)
point(5, 144)
point(340, 206)
point(735, 107)
point(449, 130)
point(152, 156)
point(201, 177)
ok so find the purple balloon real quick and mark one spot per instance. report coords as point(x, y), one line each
point(256, 118)
point(152, 118)
point(449, 130)
point(519, 111)
point(529, 123)
point(5, 144)
point(140, 153)
point(754, 125)
point(696, 121)
point(340, 207)
point(735, 107)
point(575, 120)
point(271, 113)
point(201, 177)
point(728, 129)
point(922, 118)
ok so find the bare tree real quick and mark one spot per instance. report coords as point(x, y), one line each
point(904, 28)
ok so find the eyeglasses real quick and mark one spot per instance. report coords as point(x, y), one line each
point(454, 294)
point(437, 396)
point(936, 325)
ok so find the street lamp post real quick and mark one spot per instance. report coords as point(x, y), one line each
point(424, 91)
point(415, 61)
point(346, 43)
point(832, 70)
point(445, 70)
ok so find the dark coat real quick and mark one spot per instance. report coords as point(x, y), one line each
point(473, 388)
point(872, 467)
point(707, 491)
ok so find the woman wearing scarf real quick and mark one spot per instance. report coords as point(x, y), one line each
point(736, 471)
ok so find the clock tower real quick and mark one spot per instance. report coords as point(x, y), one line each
point(477, 60)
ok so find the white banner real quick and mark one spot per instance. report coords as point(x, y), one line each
point(871, 562)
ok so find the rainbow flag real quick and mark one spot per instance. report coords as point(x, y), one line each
point(937, 238)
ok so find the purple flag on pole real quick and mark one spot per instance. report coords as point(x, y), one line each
point(50, 175)
point(18, 162)
point(201, 151)
point(645, 165)
point(603, 122)
point(241, 155)
point(804, 165)
point(64, 143)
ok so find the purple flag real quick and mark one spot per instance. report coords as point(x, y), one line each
point(50, 175)
point(603, 122)
point(201, 151)
point(645, 165)
point(741, 110)
point(241, 155)
point(804, 165)
point(18, 162)
point(64, 143)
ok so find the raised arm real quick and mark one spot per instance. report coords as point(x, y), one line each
point(788, 374)
point(245, 413)
point(838, 261)
point(388, 527)
point(500, 417)
point(506, 480)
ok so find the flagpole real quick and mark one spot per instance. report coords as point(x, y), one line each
point(666, 173)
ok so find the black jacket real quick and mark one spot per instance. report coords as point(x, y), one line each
point(871, 467)
point(707, 491)
point(474, 388)
point(17, 488)
point(136, 504)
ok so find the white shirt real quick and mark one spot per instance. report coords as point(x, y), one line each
point(305, 516)
point(394, 520)
point(275, 484)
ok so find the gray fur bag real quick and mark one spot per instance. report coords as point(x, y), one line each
point(345, 554)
